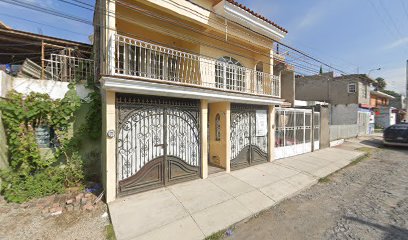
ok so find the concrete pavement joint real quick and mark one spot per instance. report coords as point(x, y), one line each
point(189, 214)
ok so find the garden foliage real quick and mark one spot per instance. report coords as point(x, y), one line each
point(31, 174)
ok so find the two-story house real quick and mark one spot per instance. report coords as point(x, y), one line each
point(348, 96)
point(385, 115)
point(185, 85)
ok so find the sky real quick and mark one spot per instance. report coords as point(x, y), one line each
point(355, 36)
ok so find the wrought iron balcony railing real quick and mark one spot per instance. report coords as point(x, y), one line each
point(153, 62)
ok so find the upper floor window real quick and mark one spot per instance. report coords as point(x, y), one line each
point(229, 74)
point(352, 88)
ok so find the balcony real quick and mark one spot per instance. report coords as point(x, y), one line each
point(148, 61)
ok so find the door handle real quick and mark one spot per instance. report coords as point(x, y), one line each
point(161, 145)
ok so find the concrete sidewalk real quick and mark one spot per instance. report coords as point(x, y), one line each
point(197, 209)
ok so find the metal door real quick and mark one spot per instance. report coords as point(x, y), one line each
point(247, 148)
point(293, 134)
point(158, 142)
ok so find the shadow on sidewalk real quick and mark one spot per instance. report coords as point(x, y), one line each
point(391, 232)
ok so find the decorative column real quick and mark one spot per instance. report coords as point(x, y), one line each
point(109, 145)
point(227, 137)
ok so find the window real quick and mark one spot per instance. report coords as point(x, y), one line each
point(229, 74)
point(352, 88)
point(217, 127)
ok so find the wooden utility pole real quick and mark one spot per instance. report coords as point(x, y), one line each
point(42, 60)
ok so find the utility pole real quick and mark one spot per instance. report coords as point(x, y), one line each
point(406, 94)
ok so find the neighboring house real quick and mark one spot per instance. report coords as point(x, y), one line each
point(169, 69)
point(28, 60)
point(385, 115)
point(400, 103)
point(348, 96)
point(36, 56)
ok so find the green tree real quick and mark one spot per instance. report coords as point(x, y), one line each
point(380, 84)
point(392, 93)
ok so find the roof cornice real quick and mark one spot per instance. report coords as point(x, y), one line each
point(248, 19)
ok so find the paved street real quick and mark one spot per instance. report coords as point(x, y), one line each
point(364, 201)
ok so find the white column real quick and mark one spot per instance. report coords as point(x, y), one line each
point(271, 132)
point(204, 134)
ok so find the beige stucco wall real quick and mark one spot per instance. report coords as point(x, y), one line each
point(220, 151)
point(288, 91)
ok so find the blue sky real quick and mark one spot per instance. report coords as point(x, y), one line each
point(353, 35)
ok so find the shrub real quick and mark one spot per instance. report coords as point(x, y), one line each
point(31, 175)
point(19, 188)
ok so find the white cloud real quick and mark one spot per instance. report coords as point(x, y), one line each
point(399, 43)
point(316, 13)
point(312, 17)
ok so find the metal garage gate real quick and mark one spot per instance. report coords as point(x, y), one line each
point(249, 135)
point(158, 142)
point(293, 135)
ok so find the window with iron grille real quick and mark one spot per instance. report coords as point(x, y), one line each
point(217, 127)
point(352, 88)
point(229, 74)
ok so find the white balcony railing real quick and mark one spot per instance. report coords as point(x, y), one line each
point(153, 62)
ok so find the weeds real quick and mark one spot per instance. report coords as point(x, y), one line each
point(110, 233)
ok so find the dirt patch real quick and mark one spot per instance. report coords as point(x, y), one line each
point(28, 221)
point(366, 201)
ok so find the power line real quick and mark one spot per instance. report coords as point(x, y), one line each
point(296, 50)
point(152, 15)
point(390, 17)
point(383, 21)
point(46, 10)
point(107, 12)
point(161, 18)
point(47, 25)
point(404, 7)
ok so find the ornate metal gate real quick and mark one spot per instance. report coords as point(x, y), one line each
point(247, 147)
point(158, 142)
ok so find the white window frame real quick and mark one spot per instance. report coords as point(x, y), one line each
point(355, 87)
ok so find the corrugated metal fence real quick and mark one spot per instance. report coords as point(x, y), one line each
point(343, 131)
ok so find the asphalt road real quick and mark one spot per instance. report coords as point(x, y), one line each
point(368, 200)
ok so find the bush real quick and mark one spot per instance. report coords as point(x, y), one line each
point(19, 188)
point(31, 175)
